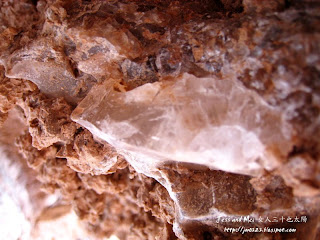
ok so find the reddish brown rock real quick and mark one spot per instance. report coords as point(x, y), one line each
point(79, 81)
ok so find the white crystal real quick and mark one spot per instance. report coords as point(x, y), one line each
point(49, 69)
point(217, 123)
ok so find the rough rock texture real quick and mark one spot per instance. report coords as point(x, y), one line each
point(167, 119)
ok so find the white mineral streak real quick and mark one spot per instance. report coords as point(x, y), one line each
point(15, 206)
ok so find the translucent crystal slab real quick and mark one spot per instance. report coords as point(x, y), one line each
point(217, 123)
point(49, 69)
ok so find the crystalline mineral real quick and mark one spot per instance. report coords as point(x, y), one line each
point(216, 123)
point(162, 119)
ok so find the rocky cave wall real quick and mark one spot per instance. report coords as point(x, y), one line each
point(158, 119)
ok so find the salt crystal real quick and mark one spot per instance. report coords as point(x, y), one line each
point(197, 120)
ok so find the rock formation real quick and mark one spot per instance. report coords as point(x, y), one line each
point(158, 119)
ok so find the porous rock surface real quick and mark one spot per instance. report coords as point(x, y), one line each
point(157, 119)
